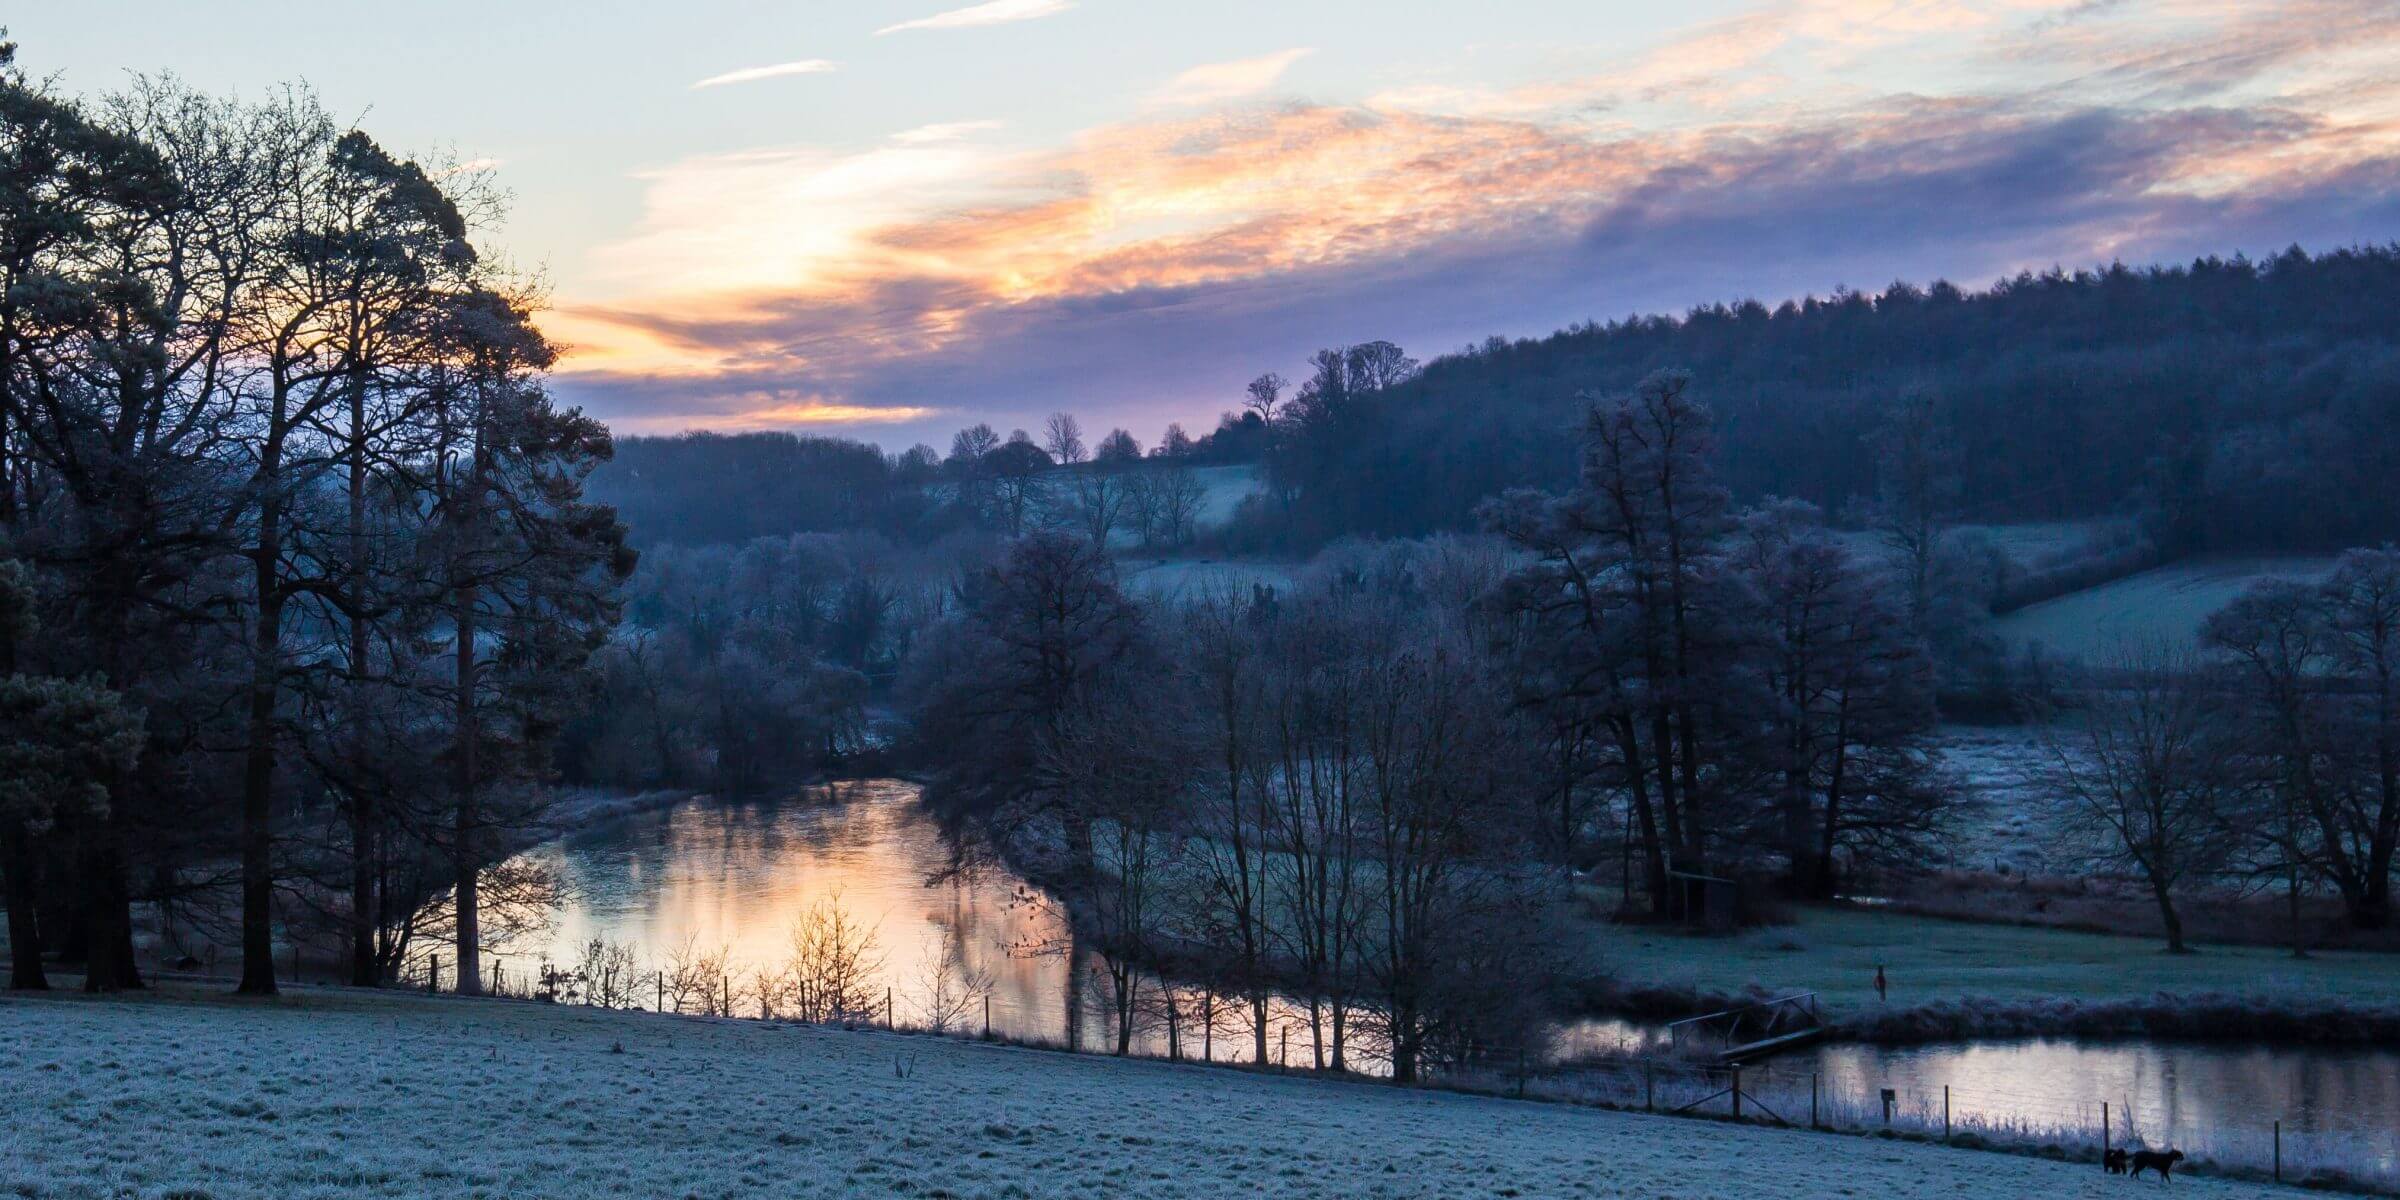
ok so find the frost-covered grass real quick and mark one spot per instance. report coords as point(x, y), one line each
point(2168, 603)
point(342, 1094)
point(1226, 487)
point(1833, 951)
point(1184, 578)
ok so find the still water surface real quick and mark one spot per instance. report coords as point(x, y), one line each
point(737, 876)
point(713, 874)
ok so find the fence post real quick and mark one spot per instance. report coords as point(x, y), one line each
point(662, 991)
point(1283, 1049)
point(1208, 1025)
point(987, 1016)
point(433, 974)
point(2279, 1150)
point(1813, 1123)
point(1890, 1098)
point(1737, 1091)
point(887, 1009)
point(1945, 1112)
point(2104, 1135)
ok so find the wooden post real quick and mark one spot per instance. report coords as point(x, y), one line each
point(662, 991)
point(1283, 1051)
point(2104, 1135)
point(987, 1016)
point(2279, 1150)
point(1813, 1123)
point(1945, 1112)
point(1890, 1098)
point(433, 974)
point(887, 1009)
point(1737, 1091)
point(1208, 1025)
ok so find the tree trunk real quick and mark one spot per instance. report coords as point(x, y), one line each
point(1654, 859)
point(363, 970)
point(24, 932)
point(464, 835)
point(363, 809)
point(2174, 923)
point(108, 914)
point(258, 776)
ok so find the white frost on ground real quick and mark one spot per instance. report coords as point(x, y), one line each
point(339, 1094)
point(2163, 605)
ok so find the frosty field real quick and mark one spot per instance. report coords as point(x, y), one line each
point(334, 1093)
point(2165, 604)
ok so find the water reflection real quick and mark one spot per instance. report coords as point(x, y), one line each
point(737, 876)
point(714, 876)
point(2168, 1093)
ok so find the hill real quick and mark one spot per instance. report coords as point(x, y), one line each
point(325, 1094)
point(2241, 405)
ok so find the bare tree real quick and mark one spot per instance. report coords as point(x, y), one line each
point(1062, 436)
point(1098, 500)
point(949, 988)
point(2144, 776)
point(1263, 394)
point(1177, 497)
point(830, 970)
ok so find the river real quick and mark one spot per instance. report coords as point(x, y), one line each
point(737, 876)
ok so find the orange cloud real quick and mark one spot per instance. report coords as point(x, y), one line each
point(804, 263)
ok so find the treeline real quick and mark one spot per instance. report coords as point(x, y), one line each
point(2234, 404)
point(297, 574)
point(705, 489)
point(745, 669)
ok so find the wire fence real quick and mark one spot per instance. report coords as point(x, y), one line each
point(2029, 1120)
point(1787, 1092)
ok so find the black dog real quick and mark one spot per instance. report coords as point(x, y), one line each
point(2164, 1164)
point(2113, 1162)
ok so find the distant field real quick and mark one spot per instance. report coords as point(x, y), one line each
point(2026, 542)
point(1171, 579)
point(1834, 952)
point(2168, 603)
point(1227, 486)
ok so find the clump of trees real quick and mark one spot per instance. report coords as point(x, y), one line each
point(1746, 688)
point(1361, 790)
point(2268, 758)
point(304, 533)
point(744, 669)
point(1310, 792)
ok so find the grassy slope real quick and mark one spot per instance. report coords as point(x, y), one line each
point(341, 1094)
point(2167, 603)
point(1833, 951)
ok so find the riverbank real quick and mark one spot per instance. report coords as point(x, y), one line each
point(1947, 978)
point(327, 1092)
point(1951, 979)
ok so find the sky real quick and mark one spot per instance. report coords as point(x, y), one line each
point(888, 218)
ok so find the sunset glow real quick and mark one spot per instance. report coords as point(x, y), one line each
point(1138, 250)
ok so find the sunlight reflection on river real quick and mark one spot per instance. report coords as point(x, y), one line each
point(738, 875)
